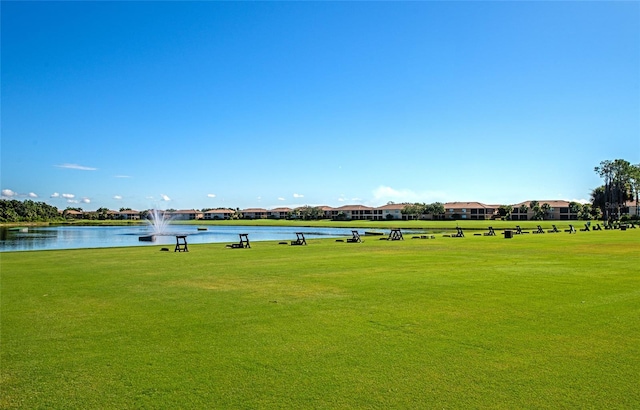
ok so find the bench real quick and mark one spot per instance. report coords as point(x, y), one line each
point(244, 242)
point(395, 235)
point(300, 240)
point(181, 244)
point(355, 238)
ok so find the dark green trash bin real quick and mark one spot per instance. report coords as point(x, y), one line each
point(508, 234)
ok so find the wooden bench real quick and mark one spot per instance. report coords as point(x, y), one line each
point(355, 238)
point(300, 240)
point(181, 244)
point(539, 230)
point(395, 235)
point(244, 242)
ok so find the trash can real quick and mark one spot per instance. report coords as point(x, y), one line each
point(508, 234)
point(623, 227)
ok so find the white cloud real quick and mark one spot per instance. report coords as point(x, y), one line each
point(86, 200)
point(68, 196)
point(72, 201)
point(298, 196)
point(211, 195)
point(164, 197)
point(8, 193)
point(76, 166)
point(55, 195)
point(117, 197)
point(384, 194)
point(33, 195)
point(281, 199)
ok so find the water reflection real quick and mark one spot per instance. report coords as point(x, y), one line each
point(74, 237)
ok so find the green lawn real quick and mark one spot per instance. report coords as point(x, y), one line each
point(538, 321)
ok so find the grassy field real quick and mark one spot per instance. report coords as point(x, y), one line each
point(538, 322)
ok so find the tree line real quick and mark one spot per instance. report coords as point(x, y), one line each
point(12, 210)
point(621, 184)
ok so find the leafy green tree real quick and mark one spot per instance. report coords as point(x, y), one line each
point(635, 185)
point(585, 212)
point(505, 211)
point(26, 211)
point(436, 209)
point(538, 213)
point(414, 210)
point(575, 207)
point(310, 212)
point(546, 210)
point(617, 175)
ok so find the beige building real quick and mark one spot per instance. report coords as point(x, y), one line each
point(221, 213)
point(559, 210)
point(469, 210)
point(279, 213)
point(254, 213)
point(358, 212)
point(186, 215)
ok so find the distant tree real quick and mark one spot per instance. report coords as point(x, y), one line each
point(310, 212)
point(523, 210)
point(538, 214)
point(598, 199)
point(125, 209)
point(505, 211)
point(635, 185)
point(102, 213)
point(12, 210)
point(585, 212)
point(617, 175)
point(436, 209)
point(237, 214)
point(340, 216)
point(414, 210)
point(546, 210)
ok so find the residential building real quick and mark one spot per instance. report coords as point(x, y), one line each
point(359, 212)
point(631, 208)
point(186, 215)
point(559, 210)
point(254, 213)
point(221, 213)
point(279, 213)
point(392, 211)
point(469, 210)
point(130, 215)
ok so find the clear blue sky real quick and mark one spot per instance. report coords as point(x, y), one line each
point(266, 104)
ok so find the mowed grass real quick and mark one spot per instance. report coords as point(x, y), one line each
point(537, 321)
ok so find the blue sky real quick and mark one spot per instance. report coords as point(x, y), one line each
point(266, 104)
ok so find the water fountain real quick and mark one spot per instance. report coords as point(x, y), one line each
point(158, 221)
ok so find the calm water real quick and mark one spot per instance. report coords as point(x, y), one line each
point(74, 237)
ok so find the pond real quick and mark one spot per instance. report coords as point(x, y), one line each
point(75, 237)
